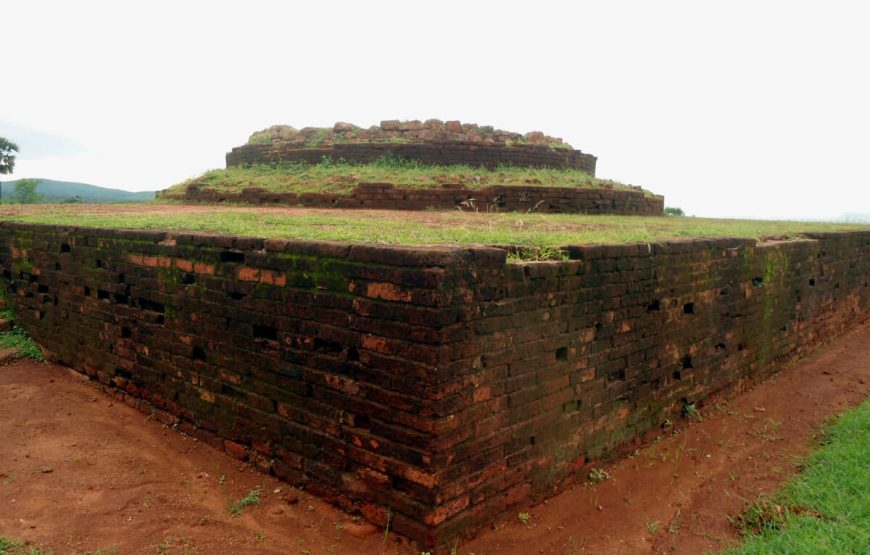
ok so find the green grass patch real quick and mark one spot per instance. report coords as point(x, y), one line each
point(825, 509)
point(18, 339)
point(17, 547)
point(251, 500)
point(533, 231)
point(342, 178)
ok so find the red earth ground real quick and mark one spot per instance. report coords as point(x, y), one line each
point(81, 472)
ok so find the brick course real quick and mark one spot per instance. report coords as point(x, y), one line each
point(444, 153)
point(440, 382)
point(497, 198)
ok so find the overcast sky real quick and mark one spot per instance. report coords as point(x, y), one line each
point(731, 109)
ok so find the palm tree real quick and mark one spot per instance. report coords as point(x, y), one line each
point(7, 159)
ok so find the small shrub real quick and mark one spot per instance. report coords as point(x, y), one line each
point(691, 411)
point(250, 500)
point(598, 475)
point(536, 254)
point(760, 515)
point(260, 138)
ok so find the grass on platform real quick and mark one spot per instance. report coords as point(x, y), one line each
point(825, 509)
point(546, 231)
point(341, 178)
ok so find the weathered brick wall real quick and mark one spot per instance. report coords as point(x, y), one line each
point(497, 198)
point(447, 153)
point(315, 361)
point(442, 383)
point(562, 363)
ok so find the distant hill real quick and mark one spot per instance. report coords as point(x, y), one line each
point(59, 191)
point(854, 217)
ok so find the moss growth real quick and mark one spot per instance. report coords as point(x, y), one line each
point(260, 138)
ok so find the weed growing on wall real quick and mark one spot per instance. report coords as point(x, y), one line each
point(527, 254)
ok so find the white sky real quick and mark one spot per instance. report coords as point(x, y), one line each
point(732, 109)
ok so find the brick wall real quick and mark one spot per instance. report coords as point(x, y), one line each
point(442, 383)
point(500, 198)
point(447, 153)
point(563, 363)
point(315, 361)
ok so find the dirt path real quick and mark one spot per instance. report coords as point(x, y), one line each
point(80, 472)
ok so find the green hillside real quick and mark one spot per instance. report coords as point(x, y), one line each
point(59, 191)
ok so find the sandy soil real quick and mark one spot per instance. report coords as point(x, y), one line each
point(80, 472)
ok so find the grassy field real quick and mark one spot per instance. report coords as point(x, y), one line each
point(826, 508)
point(546, 231)
point(342, 178)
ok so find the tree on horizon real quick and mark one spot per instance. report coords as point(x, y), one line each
point(25, 192)
point(7, 159)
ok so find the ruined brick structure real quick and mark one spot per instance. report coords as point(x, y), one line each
point(442, 383)
point(496, 198)
point(434, 143)
point(408, 131)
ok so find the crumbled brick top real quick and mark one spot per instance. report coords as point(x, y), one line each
point(395, 131)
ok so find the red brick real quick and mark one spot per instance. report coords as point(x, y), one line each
point(235, 450)
point(203, 268)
